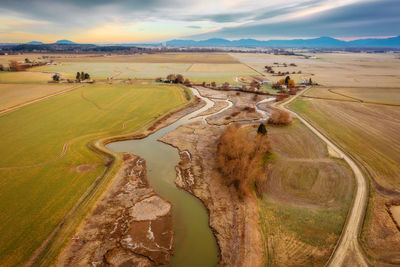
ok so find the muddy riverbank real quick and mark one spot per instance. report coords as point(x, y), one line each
point(129, 226)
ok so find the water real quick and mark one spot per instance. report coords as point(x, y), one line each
point(195, 244)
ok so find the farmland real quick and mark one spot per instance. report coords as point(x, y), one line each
point(189, 58)
point(305, 198)
point(333, 69)
point(195, 72)
point(369, 133)
point(46, 165)
point(17, 94)
point(197, 67)
point(24, 77)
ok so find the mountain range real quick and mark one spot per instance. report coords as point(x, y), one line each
point(321, 42)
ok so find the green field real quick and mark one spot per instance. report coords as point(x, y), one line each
point(195, 72)
point(39, 184)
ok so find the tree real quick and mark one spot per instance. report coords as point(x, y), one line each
point(13, 65)
point(1, 67)
point(239, 156)
point(225, 85)
point(203, 84)
point(171, 78)
point(179, 78)
point(82, 75)
point(56, 77)
point(78, 76)
point(87, 76)
point(261, 129)
point(213, 84)
point(287, 79)
point(310, 82)
point(280, 117)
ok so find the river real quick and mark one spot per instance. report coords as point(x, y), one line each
point(195, 244)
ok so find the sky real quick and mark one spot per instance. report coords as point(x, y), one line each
point(133, 21)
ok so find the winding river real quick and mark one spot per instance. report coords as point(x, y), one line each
point(195, 244)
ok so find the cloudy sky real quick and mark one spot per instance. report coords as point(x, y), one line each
point(107, 21)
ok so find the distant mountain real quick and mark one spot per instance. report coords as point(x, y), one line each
point(321, 42)
point(64, 42)
point(388, 42)
point(34, 43)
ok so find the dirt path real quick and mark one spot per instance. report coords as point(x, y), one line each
point(7, 110)
point(348, 244)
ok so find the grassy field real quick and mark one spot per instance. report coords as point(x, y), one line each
point(369, 133)
point(17, 94)
point(195, 72)
point(305, 198)
point(24, 77)
point(220, 58)
point(39, 184)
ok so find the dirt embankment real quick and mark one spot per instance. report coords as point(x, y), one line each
point(129, 225)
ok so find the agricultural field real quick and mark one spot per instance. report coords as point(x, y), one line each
point(333, 69)
point(189, 58)
point(197, 67)
point(377, 95)
point(305, 198)
point(13, 95)
point(369, 133)
point(24, 77)
point(46, 164)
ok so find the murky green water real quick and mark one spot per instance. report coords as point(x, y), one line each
point(195, 244)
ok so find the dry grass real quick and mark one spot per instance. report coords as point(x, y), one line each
point(306, 198)
point(16, 94)
point(220, 58)
point(239, 68)
point(369, 133)
point(372, 94)
point(363, 94)
point(24, 77)
point(335, 69)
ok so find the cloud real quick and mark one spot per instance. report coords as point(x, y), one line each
point(368, 18)
point(198, 19)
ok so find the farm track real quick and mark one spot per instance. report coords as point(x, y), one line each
point(10, 109)
point(348, 243)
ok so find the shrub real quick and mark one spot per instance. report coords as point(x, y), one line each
point(280, 117)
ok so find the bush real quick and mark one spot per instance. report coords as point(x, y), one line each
point(240, 157)
point(280, 117)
